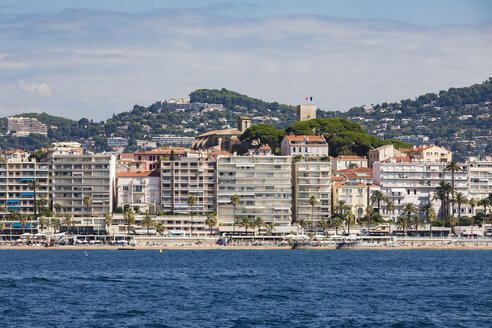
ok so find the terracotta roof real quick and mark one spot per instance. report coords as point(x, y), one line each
point(355, 176)
point(338, 179)
point(305, 138)
point(220, 152)
point(14, 151)
point(265, 147)
point(349, 184)
point(163, 151)
point(123, 156)
point(138, 174)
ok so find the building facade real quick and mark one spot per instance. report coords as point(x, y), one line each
point(415, 183)
point(311, 178)
point(138, 189)
point(292, 145)
point(263, 185)
point(88, 176)
point(188, 177)
point(305, 112)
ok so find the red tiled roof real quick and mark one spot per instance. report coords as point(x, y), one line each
point(305, 138)
point(265, 147)
point(338, 179)
point(138, 174)
point(355, 169)
point(355, 176)
point(349, 184)
point(14, 151)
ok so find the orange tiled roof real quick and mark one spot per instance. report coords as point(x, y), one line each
point(265, 147)
point(305, 138)
point(355, 169)
point(137, 174)
point(338, 179)
point(399, 159)
point(14, 151)
point(355, 176)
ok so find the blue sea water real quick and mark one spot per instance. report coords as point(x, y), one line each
point(245, 288)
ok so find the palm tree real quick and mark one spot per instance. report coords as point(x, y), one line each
point(87, 203)
point(108, 220)
point(324, 224)
point(431, 217)
point(402, 222)
point(56, 224)
point(304, 223)
point(211, 221)
point(336, 222)
point(342, 208)
point(442, 193)
point(378, 197)
point(68, 222)
point(23, 222)
point(473, 203)
point(235, 203)
point(427, 209)
point(147, 222)
point(460, 199)
point(269, 226)
point(390, 207)
point(416, 222)
point(484, 202)
point(452, 167)
point(312, 201)
point(42, 223)
point(191, 202)
point(34, 185)
point(370, 212)
point(129, 218)
point(2, 227)
point(58, 208)
point(247, 222)
point(159, 228)
point(259, 223)
point(409, 209)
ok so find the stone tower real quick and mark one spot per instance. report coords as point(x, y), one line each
point(305, 112)
point(243, 123)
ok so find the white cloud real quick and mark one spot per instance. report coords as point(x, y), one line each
point(34, 88)
point(100, 63)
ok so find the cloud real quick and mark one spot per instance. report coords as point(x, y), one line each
point(34, 88)
point(100, 63)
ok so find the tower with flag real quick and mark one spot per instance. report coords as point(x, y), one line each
point(307, 111)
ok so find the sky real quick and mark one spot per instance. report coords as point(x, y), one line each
point(95, 58)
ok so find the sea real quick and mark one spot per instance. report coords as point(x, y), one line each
point(245, 288)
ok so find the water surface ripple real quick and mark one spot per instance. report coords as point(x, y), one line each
point(245, 288)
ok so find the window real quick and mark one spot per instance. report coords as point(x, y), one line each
point(125, 188)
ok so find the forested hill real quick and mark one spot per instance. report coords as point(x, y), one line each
point(459, 118)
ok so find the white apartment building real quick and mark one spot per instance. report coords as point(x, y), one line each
point(480, 178)
point(311, 178)
point(293, 145)
point(76, 177)
point(414, 182)
point(344, 162)
point(263, 185)
point(15, 193)
point(186, 177)
point(383, 153)
point(138, 189)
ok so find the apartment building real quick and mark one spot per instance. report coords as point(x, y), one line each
point(311, 178)
point(414, 182)
point(383, 153)
point(356, 174)
point(139, 189)
point(263, 185)
point(430, 153)
point(16, 189)
point(24, 126)
point(293, 145)
point(150, 157)
point(480, 178)
point(344, 162)
point(87, 176)
point(186, 177)
point(354, 194)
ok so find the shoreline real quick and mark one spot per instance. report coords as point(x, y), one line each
point(210, 247)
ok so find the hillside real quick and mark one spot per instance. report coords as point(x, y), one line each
point(459, 118)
